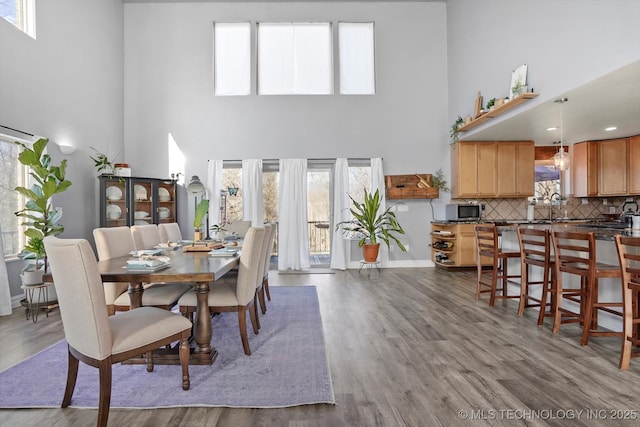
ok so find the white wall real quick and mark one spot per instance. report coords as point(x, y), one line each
point(565, 43)
point(168, 91)
point(67, 85)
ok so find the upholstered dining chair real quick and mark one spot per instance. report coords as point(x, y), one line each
point(267, 261)
point(260, 273)
point(238, 227)
point(170, 232)
point(145, 236)
point(100, 340)
point(116, 242)
point(235, 294)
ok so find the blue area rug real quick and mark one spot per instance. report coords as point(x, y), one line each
point(288, 367)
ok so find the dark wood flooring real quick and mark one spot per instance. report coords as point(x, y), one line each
point(408, 348)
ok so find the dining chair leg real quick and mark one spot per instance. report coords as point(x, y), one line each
point(148, 358)
point(588, 310)
point(184, 361)
point(242, 325)
point(265, 284)
point(254, 309)
point(72, 375)
point(263, 304)
point(524, 290)
point(105, 391)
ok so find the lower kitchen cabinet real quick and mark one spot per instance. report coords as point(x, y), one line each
point(453, 245)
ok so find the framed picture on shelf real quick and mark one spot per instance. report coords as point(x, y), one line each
point(518, 81)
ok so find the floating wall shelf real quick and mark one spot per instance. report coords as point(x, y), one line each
point(498, 110)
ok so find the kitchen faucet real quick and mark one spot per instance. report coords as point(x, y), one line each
point(559, 197)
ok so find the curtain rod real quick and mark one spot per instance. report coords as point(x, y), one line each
point(326, 158)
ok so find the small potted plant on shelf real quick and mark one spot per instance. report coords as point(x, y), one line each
point(40, 218)
point(372, 225)
point(438, 181)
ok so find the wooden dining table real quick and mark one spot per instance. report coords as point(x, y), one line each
point(195, 268)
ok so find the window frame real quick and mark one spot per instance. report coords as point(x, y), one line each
point(24, 18)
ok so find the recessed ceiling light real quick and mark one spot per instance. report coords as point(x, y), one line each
point(552, 128)
point(610, 128)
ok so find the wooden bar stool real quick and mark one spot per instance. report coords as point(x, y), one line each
point(575, 253)
point(487, 246)
point(535, 251)
point(629, 255)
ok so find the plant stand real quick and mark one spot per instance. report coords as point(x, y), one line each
point(370, 265)
point(34, 305)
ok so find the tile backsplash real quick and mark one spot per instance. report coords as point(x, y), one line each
point(573, 208)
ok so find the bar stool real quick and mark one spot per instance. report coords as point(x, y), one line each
point(629, 255)
point(575, 253)
point(535, 251)
point(487, 246)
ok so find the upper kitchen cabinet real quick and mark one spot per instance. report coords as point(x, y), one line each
point(612, 167)
point(634, 164)
point(585, 169)
point(607, 168)
point(491, 169)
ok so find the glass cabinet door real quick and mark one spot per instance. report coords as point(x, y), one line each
point(115, 206)
point(166, 202)
point(142, 204)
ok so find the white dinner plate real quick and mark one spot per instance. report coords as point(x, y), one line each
point(140, 222)
point(140, 214)
point(140, 192)
point(114, 212)
point(163, 194)
point(113, 193)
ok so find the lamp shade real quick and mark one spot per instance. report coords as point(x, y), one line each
point(195, 186)
point(561, 160)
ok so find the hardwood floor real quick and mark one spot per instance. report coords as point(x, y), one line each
point(411, 347)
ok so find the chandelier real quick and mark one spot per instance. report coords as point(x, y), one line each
point(561, 159)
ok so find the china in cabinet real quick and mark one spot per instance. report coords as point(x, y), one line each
point(126, 201)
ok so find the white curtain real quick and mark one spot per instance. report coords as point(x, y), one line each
point(377, 183)
point(293, 242)
point(253, 205)
point(5, 292)
point(214, 185)
point(340, 245)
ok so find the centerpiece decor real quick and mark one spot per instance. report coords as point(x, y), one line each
point(372, 225)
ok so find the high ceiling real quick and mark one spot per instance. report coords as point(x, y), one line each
point(612, 100)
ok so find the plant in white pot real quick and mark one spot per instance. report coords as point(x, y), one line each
point(372, 225)
point(39, 217)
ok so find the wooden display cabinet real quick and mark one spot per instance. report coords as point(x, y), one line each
point(126, 201)
point(453, 245)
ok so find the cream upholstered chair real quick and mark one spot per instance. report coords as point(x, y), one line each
point(145, 236)
point(170, 232)
point(265, 277)
point(97, 339)
point(236, 293)
point(238, 227)
point(115, 242)
point(107, 249)
point(261, 266)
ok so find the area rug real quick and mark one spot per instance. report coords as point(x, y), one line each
point(288, 367)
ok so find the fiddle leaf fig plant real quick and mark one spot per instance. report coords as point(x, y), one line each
point(40, 219)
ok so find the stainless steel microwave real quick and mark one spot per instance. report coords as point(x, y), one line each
point(455, 212)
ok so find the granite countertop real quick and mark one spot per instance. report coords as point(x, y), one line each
point(603, 230)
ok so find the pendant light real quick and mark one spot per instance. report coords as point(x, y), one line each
point(561, 159)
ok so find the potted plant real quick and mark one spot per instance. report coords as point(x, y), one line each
point(40, 219)
point(372, 225)
point(201, 211)
point(438, 181)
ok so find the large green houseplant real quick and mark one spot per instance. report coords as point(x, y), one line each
point(372, 225)
point(39, 218)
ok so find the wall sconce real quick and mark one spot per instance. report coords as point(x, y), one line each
point(67, 149)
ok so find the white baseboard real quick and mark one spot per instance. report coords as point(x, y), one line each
point(397, 264)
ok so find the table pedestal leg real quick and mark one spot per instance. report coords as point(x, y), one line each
point(204, 353)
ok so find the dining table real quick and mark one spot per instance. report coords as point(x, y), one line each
point(196, 268)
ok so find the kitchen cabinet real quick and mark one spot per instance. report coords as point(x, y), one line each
point(634, 164)
point(585, 169)
point(612, 167)
point(491, 169)
point(453, 245)
point(126, 201)
point(516, 169)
